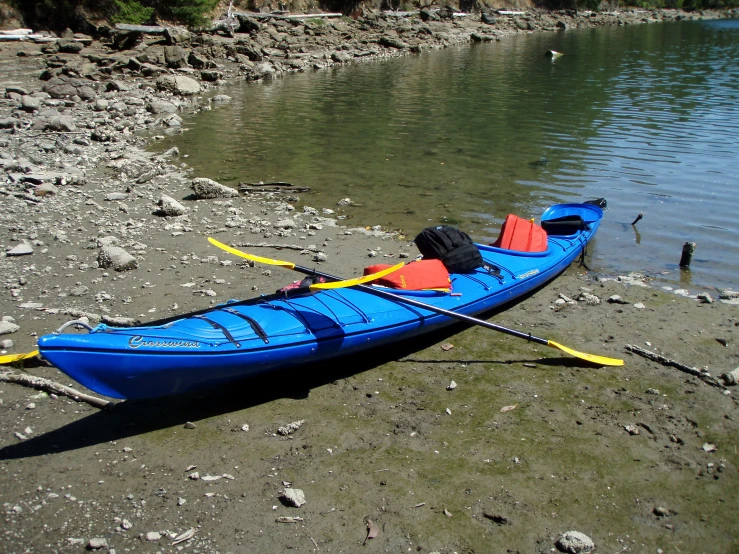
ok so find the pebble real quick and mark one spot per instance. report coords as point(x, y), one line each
point(293, 497)
point(205, 188)
point(168, 206)
point(575, 542)
point(589, 299)
point(23, 249)
point(153, 536)
point(8, 327)
point(290, 428)
point(97, 543)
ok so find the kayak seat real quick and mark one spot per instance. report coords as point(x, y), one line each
point(522, 235)
point(417, 275)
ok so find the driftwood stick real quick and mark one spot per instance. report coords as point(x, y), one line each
point(664, 360)
point(687, 254)
point(50, 386)
point(276, 246)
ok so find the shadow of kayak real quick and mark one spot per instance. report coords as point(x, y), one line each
point(131, 418)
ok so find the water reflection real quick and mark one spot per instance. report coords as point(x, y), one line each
point(645, 115)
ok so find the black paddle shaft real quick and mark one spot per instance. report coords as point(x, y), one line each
point(461, 317)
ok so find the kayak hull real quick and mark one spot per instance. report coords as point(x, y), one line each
point(240, 339)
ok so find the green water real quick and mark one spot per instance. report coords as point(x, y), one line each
point(643, 115)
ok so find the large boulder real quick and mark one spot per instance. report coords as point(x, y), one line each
point(178, 84)
point(208, 188)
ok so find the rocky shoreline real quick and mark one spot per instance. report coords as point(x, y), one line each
point(78, 184)
point(95, 227)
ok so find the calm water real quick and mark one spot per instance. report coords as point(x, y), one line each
point(646, 116)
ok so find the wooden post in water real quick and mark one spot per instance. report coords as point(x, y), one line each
point(688, 249)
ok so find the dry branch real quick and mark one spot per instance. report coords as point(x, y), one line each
point(664, 360)
point(53, 387)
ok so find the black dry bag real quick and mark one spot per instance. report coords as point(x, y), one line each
point(454, 248)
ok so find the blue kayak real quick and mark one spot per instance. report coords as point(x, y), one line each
point(243, 338)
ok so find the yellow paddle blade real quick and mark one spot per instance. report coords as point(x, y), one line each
point(268, 261)
point(10, 358)
point(357, 280)
point(600, 360)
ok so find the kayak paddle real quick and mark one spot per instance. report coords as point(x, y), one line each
point(336, 282)
point(593, 358)
point(10, 358)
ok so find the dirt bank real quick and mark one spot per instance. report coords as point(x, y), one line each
point(639, 458)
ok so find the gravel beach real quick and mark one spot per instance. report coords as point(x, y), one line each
point(465, 441)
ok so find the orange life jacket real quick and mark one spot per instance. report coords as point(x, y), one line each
point(418, 275)
point(522, 235)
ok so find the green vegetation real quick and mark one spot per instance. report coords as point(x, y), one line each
point(130, 11)
point(60, 14)
point(189, 12)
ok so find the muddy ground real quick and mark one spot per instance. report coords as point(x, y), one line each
point(529, 444)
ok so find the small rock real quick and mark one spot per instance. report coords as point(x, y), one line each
point(575, 542)
point(190, 425)
point(153, 536)
point(290, 428)
point(116, 196)
point(30, 104)
point(652, 391)
point(616, 299)
point(97, 543)
point(207, 188)
point(731, 378)
point(23, 249)
point(285, 224)
point(45, 189)
point(8, 327)
point(639, 306)
point(344, 202)
point(181, 85)
point(170, 207)
point(62, 123)
point(589, 299)
point(116, 258)
point(451, 386)
point(293, 497)
point(632, 429)
point(659, 511)
point(320, 257)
